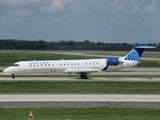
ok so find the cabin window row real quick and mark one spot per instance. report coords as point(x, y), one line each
point(40, 65)
point(77, 64)
point(65, 64)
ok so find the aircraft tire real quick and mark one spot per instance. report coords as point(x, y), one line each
point(84, 77)
point(13, 76)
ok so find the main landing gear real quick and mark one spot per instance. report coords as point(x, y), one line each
point(13, 76)
point(84, 76)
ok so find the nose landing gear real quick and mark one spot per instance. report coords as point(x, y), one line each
point(13, 76)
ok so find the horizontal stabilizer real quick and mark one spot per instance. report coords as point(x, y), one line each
point(145, 47)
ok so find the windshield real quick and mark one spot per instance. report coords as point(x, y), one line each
point(15, 65)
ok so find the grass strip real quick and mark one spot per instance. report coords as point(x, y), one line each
point(80, 86)
point(82, 114)
point(149, 63)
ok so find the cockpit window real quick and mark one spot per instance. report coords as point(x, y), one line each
point(15, 65)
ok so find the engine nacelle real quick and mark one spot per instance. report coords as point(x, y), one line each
point(112, 61)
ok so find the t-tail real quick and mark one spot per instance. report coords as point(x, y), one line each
point(132, 58)
point(136, 52)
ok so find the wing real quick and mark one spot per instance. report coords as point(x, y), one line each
point(79, 71)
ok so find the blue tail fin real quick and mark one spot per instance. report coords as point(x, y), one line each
point(136, 52)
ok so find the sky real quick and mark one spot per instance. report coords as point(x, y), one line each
point(116, 21)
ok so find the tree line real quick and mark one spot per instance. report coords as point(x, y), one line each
point(10, 44)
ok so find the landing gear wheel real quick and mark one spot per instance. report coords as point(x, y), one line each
point(84, 77)
point(13, 76)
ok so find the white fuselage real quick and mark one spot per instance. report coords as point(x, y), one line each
point(69, 66)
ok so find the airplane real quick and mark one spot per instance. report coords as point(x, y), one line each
point(81, 67)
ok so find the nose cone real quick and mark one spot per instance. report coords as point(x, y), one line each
point(7, 70)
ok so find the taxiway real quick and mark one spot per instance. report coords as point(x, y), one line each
point(79, 101)
point(116, 79)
